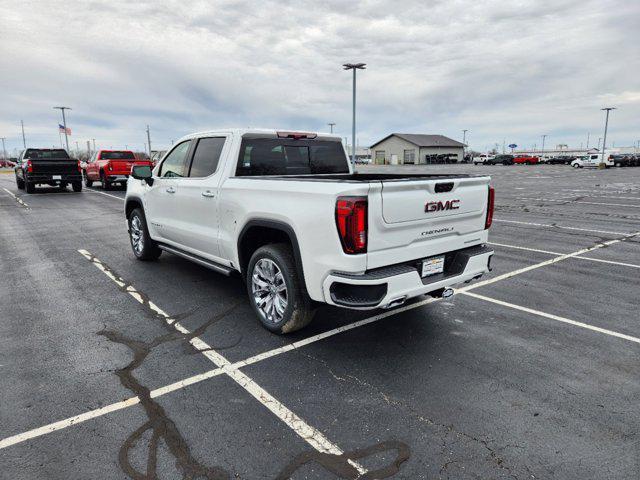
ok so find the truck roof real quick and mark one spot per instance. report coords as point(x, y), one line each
point(260, 131)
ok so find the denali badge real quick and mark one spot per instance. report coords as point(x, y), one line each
point(437, 206)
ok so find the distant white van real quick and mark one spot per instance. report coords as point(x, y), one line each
point(592, 161)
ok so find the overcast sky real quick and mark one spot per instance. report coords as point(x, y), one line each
point(511, 70)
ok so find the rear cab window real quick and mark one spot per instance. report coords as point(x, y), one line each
point(288, 156)
point(46, 153)
point(117, 155)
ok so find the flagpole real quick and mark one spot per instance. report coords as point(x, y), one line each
point(60, 136)
point(64, 122)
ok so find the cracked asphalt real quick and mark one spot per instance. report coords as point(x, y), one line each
point(464, 388)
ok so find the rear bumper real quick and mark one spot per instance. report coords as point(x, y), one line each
point(116, 177)
point(397, 283)
point(54, 177)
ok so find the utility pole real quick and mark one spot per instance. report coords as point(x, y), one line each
point(599, 140)
point(588, 134)
point(354, 67)
point(24, 142)
point(149, 140)
point(604, 140)
point(4, 151)
point(94, 144)
point(64, 123)
point(464, 143)
point(331, 125)
point(543, 139)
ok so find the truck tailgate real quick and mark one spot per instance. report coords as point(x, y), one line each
point(413, 218)
point(54, 166)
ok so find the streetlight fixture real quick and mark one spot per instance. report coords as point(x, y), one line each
point(604, 139)
point(64, 123)
point(331, 125)
point(543, 139)
point(354, 67)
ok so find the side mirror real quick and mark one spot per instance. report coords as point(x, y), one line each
point(142, 172)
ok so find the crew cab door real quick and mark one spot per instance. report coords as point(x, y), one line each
point(161, 208)
point(198, 195)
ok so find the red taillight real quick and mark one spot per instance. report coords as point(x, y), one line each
point(79, 166)
point(351, 220)
point(29, 166)
point(490, 203)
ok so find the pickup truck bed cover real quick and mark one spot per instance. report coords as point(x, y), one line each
point(362, 177)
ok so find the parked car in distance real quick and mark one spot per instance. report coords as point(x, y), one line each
point(47, 166)
point(286, 212)
point(110, 167)
point(526, 160)
point(624, 160)
point(560, 160)
point(504, 159)
point(483, 158)
point(592, 160)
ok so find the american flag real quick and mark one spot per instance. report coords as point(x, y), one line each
point(61, 129)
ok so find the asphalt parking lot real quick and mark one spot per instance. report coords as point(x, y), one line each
point(531, 372)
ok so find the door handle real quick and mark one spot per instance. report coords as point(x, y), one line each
point(171, 190)
point(208, 193)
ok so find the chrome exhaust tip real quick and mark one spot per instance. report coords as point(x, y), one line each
point(447, 292)
point(396, 302)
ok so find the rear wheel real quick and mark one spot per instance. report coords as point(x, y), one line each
point(19, 183)
point(105, 183)
point(575, 165)
point(276, 292)
point(143, 246)
point(30, 187)
point(87, 183)
point(77, 186)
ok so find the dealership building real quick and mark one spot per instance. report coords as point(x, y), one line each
point(413, 148)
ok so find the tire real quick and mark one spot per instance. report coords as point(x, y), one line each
point(30, 187)
point(575, 165)
point(19, 183)
point(298, 310)
point(147, 249)
point(77, 186)
point(505, 163)
point(105, 183)
point(87, 183)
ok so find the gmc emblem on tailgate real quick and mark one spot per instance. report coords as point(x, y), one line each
point(438, 206)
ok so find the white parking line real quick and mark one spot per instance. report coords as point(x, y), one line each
point(52, 427)
point(579, 257)
point(308, 433)
point(103, 193)
point(17, 199)
point(559, 226)
point(551, 261)
point(554, 317)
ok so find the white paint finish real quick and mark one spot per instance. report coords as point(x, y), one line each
point(555, 317)
point(308, 433)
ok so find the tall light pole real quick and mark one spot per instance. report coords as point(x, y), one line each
point(331, 125)
point(4, 151)
point(588, 135)
point(543, 139)
point(599, 140)
point(606, 126)
point(149, 140)
point(354, 67)
point(24, 142)
point(64, 123)
point(464, 143)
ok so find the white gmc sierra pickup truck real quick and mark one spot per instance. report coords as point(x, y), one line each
point(286, 211)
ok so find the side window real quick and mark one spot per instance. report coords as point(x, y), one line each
point(174, 163)
point(206, 156)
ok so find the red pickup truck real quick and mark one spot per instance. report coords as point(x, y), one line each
point(526, 160)
point(110, 167)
